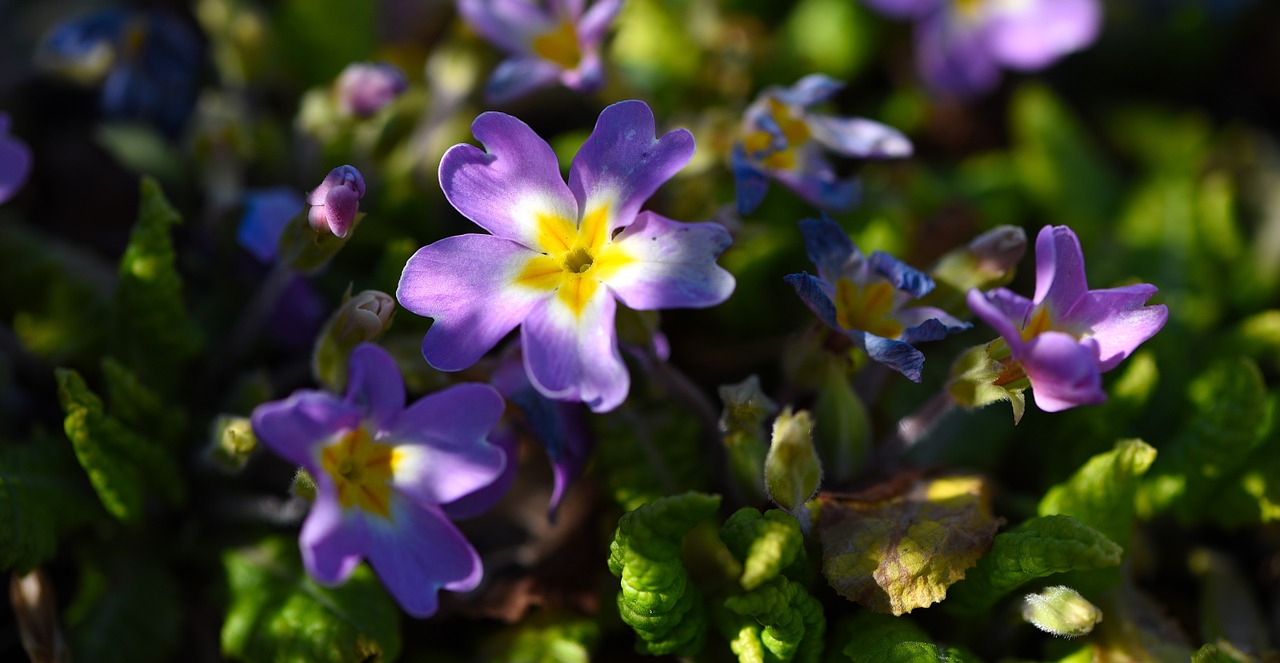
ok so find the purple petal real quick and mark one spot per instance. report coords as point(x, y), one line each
point(587, 77)
point(297, 427)
point(1031, 35)
point(914, 316)
point(466, 283)
point(903, 8)
point(810, 90)
point(815, 296)
point(441, 448)
point(1060, 279)
point(363, 88)
point(15, 161)
point(266, 213)
point(751, 183)
point(332, 540)
point(1063, 371)
point(859, 138)
point(507, 188)
point(829, 247)
point(1003, 310)
point(418, 552)
point(903, 276)
point(1117, 320)
point(672, 264)
point(596, 21)
point(622, 163)
point(375, 385)
point(341, 205)
point(519, 75)
point(509, 24)
point(816, 182)
point(953, 59)
point(899, 356)
point(480, 501)
point(573, 356)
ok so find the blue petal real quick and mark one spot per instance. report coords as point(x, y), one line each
point(810, 90)
point(901, 275)
point(899, 356)
point(828, 246)
point(932, 329)
point(812, 294)
point(751, 183)
point(266, 214)
point(518, 76)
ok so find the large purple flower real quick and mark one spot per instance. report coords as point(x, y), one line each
point(1067, 336)
point(865, 298)
point(561, 254)
point(961, 45)
point(782, 139)
point(383, 473)
point(15, 161)
point(548, 40)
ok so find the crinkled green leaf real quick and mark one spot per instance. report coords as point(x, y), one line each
point(128, 608)
point(41, 497)
point(151, 331)
point(657, 451)
point(547, 638)
point(792, 622)
point(657, 598)
point(885, 639)
point(1037, 548)
point(900, 546)
point(764, 544)
point(120, 463)
point(1101, 494)
point(277, 613)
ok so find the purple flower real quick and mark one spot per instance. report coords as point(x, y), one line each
point(1068, 335)
point(864, 298)
point(15, 161)
point(383, 473)
point(548, 41)
point(335, 202)
point(782, 139)
point(961, 45)
point(363, 88)
point(266, 213)
point(559, 255)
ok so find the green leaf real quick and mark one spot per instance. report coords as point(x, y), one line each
point(317, 38)
point(137, 405)
point(1212, 653)
point(887, 639)
point(657, 599)
point(764, 544)
point(277, 613)
point(657, 451)
point(842, 429)
point(986, 374)
point(41, 498)
point(792, 622)
point(899, 546)
point(150, 327)
point(127, 609)
point(1037, 548)
point(1101, 494)
point(547, 639)
point(1230, 614)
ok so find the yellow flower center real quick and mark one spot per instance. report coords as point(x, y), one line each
point(361, 470)
point(968, 8)
point(793, 129)
point(559, 46)
point(574, 259)
point(1038, 323)
point(866, 308)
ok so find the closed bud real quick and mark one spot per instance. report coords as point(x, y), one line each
point(363, 88)
point(335, 202)
point(742, 428)
point(1061, 611)
point(233, 443)
point(792, 471)
point(984, 263)
point(361, 319)
point(304, 485)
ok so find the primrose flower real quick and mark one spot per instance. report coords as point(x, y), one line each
point(782, 139)
point(864, 298)
point(961, 45)
point(384, 473)
point(363, 88)
point(1067, 336)
point(548, 41)
point(335, 202)
point(15, 161)
point(559, 255)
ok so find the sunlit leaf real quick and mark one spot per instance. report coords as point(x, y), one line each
point(1101, 494)
point(765, 544)
point(791, 621)
point(547, 639)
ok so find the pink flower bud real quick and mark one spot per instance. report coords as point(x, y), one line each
point(335, 202)
point(363, 88)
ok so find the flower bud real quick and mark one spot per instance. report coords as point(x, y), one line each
point(362, 318)
point(792, 471)
point(363, 88)
point(304, 485)
point(984, 263)
point(1061, 611)
point(233, 443)
point(335, 202)
point(742, 429)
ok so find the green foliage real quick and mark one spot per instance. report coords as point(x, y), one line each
point(40, 499)
point(138, 406)
point(658, 599)
point(886, 639)
point(120, 462)
point(317, 38)
point(653, 453)
point(277, 613)
point(1037, 548)
point(151, 331)
point(842, 430)
point(1212, 653)
point(791, 621)
point(764, 544)
point(128, 607)
point(1101, 494)
point(564, 640)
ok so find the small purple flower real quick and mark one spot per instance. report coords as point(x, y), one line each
point(782, 139)
point(548, 41)
point(1068, 335)
point(363, 88)
point(864, 298)
point(560, 255)
point(15, 161)
point(961, 45)
point(335, 202)
point(266, 214)
point(383, 472)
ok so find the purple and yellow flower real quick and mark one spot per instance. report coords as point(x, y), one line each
point(560, 256)
point(1068, 335)
point(865, 298)
point(15, 161)
point(548, 41)
point(363, 88)
point(384, 474)
point(782, 139)
point(335, 202)
point(962, 45)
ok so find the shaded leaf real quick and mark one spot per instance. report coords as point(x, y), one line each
point(137, 405)
point(40, 499)
point(1101, 494)
point(1230, 614)
point(128, 609)
point(899, 546)
point(547, 639)
point(887, 639)
point(654, 452)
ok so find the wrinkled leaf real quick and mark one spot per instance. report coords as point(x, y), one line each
point(791, 621)
point(548, 639)
point(899, 546)
point(764, 544)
